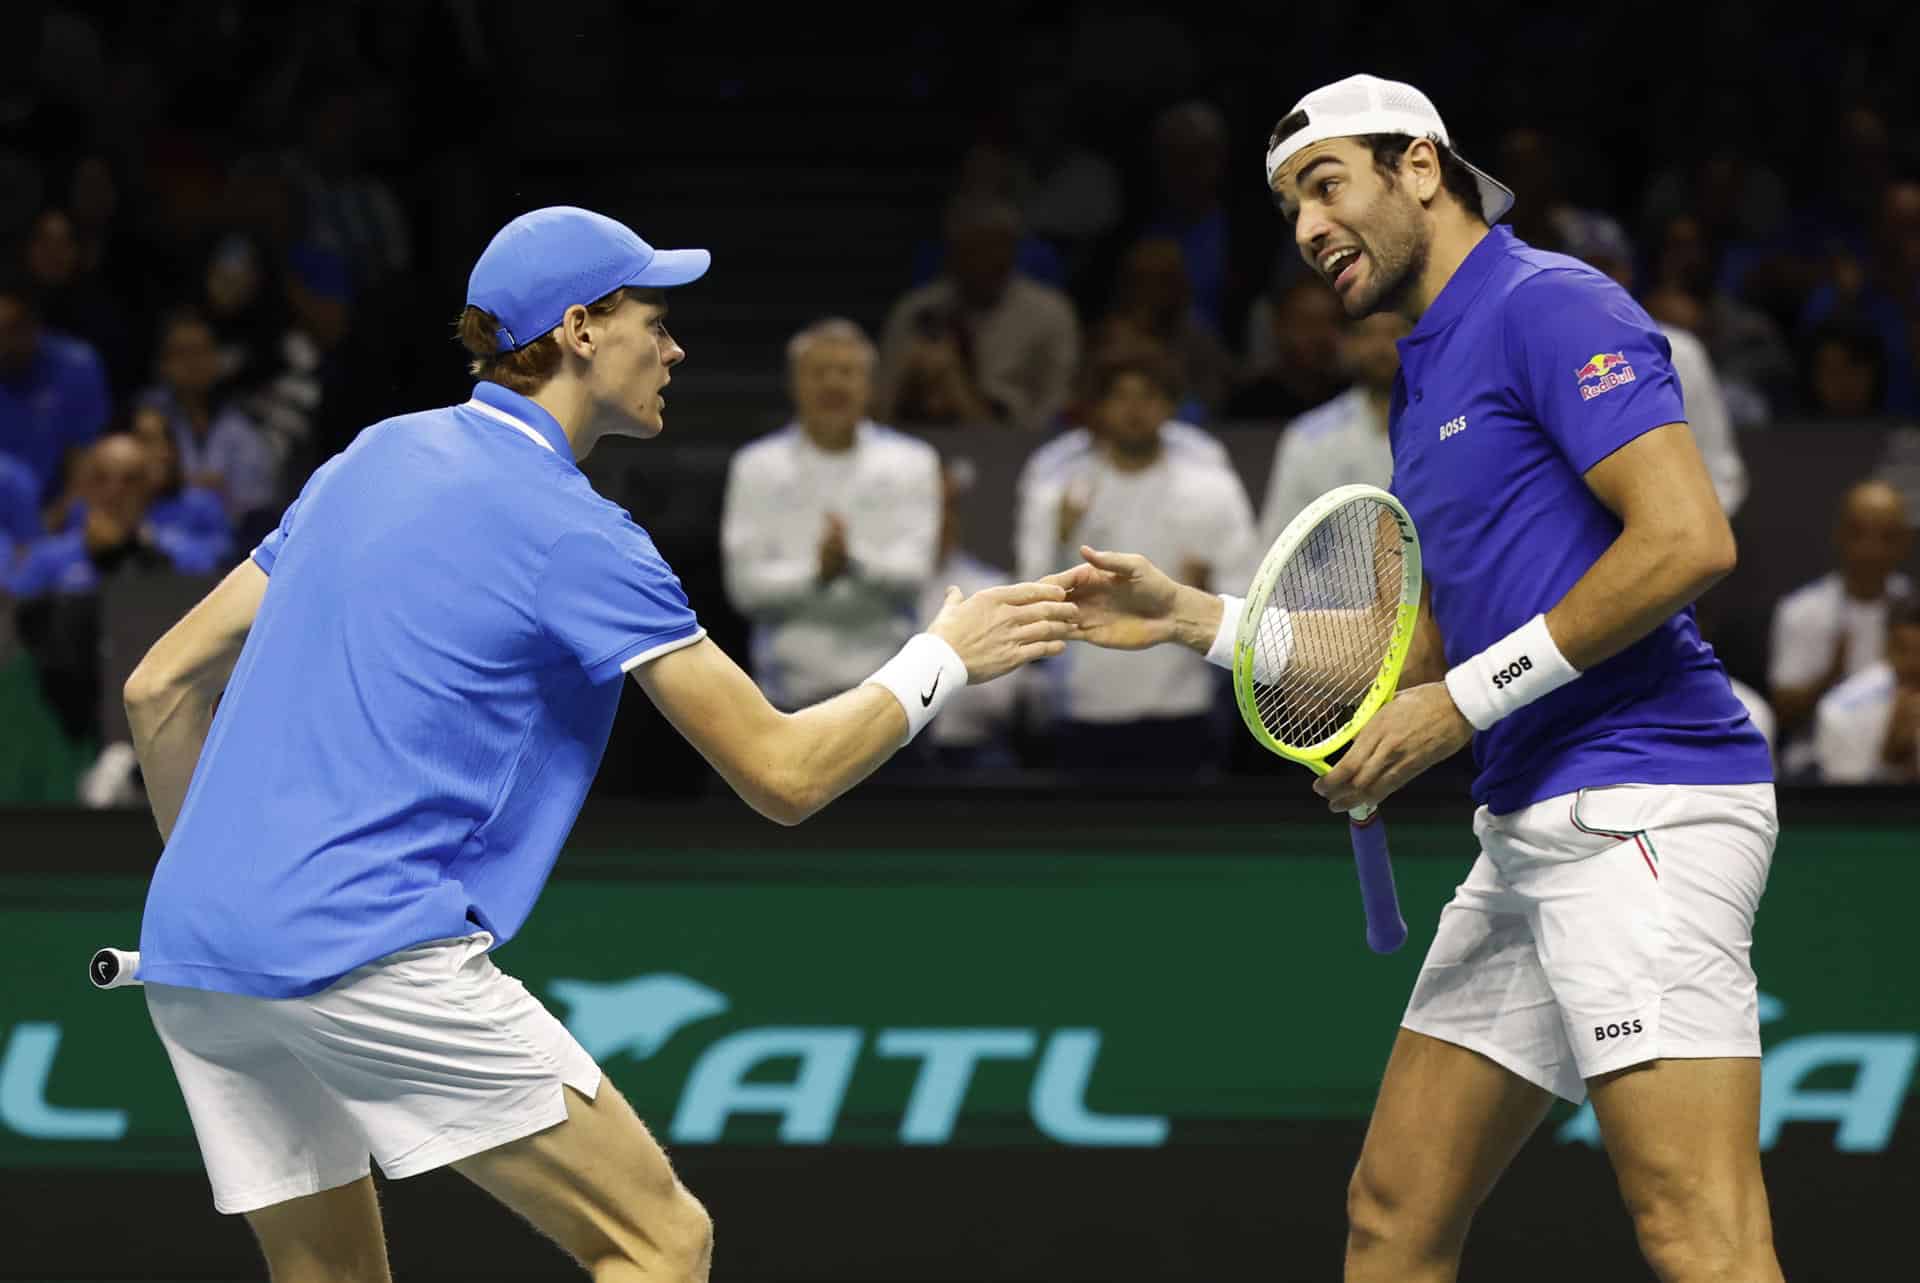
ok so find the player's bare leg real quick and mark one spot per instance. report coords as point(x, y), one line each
point(330, 1237)
point(1684, 1139)
point(600, 1186)
point(1446, 1125)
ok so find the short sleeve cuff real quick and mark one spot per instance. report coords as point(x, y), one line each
point(265, 555)
point(1623, 434)
point(643, 650)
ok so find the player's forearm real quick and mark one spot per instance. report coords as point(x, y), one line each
point(820, 752)
point(1195, 618)
point(1427, 657)
point(1638, 583)
point(169, 727)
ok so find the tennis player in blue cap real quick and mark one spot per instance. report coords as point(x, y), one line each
point(415, 676)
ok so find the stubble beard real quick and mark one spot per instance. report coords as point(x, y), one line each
point(1400, 260)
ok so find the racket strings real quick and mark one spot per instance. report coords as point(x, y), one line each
point(1329, 624)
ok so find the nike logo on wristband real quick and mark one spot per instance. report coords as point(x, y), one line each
point(926, 698)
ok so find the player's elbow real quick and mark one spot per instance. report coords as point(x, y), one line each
point(790, 800)
point(147, 686)
point(1715, 555)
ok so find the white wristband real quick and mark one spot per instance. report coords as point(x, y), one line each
point(1276, 640)
point(1221, 652)
point(923, 676)
point(1511, 673)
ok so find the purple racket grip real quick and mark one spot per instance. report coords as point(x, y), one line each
point(1386, 929)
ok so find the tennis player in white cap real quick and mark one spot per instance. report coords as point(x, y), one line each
point(416, 675)
point(1600, 946)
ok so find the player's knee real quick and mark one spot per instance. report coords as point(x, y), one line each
point(697, 1245)
point(1381, 1211)
point(686, 1239)
point(1370, 1209)
point(1697, 1235)
point(670, 1240)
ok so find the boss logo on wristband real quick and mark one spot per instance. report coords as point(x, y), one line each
point(1511, 673)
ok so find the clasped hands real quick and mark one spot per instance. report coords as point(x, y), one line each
point(1125, 602)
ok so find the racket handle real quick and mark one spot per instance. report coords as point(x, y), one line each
point(1386, 929)
point(114, 968)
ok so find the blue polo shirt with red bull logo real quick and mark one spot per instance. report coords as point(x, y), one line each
point(1527, 370)
point(422, 700)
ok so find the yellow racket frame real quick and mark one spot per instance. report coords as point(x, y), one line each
point(1259, 594)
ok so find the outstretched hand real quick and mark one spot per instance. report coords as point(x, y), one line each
point(1000, 629)
point(1128, 603)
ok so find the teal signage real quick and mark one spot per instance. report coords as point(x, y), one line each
point(968, 998)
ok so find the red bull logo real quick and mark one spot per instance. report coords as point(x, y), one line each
point(1603, 372)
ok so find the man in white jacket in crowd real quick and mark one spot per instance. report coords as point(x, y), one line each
point(830, 526)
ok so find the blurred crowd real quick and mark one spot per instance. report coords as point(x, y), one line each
point(209, 287)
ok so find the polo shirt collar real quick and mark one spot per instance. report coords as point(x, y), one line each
point(520, 414)
point(1458, 294)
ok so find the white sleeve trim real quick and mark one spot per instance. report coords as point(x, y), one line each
point(634, 661)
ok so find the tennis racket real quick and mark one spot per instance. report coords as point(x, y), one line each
point(1325, 630)
point(114, 968)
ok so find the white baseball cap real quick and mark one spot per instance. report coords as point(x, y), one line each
point(1370, 105)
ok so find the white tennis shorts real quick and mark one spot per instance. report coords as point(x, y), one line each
point(1602, 929)
point(419, 1059)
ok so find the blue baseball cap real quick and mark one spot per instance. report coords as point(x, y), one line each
point(543, 262)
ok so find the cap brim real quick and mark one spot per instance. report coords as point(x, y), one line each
point(1496, 198)
point(670, 267)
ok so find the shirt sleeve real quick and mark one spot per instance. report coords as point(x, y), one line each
point(267, 552)
point(1590, 366)
point(608, 597)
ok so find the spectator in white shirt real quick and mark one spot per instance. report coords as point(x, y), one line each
point(1344, 441)
point(1131, 487)
point(828, 528)
point(1836, 626)
point(975, 731)
point(1867, 729)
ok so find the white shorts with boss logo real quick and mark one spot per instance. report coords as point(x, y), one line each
point(1602, 929)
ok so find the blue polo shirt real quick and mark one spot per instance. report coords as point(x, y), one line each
point(57, 403)
point(1527, 370)
point(420, 705)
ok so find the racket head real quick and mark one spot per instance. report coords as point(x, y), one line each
point(1351, 558)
